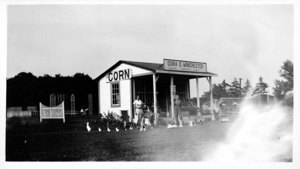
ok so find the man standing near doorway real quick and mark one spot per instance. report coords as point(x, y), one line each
point(139, 112)
point(177, 112)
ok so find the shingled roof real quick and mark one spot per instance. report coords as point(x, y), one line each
point(154, 67)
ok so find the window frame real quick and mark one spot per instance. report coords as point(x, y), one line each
point(111, 95)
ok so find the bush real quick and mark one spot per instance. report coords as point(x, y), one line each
point(288, 99)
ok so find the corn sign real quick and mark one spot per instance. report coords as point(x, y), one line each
point(57, 112)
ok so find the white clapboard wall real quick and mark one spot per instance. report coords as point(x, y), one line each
point(125, 90)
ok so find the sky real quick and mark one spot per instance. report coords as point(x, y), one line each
point(236, 41)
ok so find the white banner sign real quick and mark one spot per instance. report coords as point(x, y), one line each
point(184, 65)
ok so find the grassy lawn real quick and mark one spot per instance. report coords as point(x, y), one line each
point(55, 141)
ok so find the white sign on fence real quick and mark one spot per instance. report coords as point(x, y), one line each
point(57, 112)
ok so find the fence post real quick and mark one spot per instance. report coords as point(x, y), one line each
point(40, 112)
point(63, 107)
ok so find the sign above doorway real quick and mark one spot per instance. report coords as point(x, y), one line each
point(187, 66)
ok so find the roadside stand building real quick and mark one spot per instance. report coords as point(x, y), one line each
point(119, 85)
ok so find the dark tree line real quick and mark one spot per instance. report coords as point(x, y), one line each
point(235, 89)
point(25, 89)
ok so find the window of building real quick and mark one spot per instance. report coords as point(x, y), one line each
point(115, 94)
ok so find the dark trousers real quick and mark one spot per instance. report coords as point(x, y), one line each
point(177, 115)
point(141, 118)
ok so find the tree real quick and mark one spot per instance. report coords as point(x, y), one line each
point(282, 87)
point(20, 89)
point(224, 84)
point(234, 89)
point(260, 87)
point(25, 89)
point(279, 89)
point(218, 91)
point(287, 72)
point(247, 88)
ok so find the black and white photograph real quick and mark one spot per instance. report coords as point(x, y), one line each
point(149, 82)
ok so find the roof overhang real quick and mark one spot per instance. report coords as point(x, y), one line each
point(155, 69)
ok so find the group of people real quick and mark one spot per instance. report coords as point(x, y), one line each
point(142, 118)
point(140, 115)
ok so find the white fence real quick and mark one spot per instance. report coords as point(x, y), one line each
point(57, 112)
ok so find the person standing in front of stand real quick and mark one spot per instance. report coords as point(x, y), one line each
point(138, 105)
point(177, 112)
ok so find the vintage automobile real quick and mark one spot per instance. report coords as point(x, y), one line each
point(227, 112)
point(188, 106)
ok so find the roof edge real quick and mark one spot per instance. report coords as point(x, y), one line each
point(137, 65)
point(132, 63)
point(117, 64)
